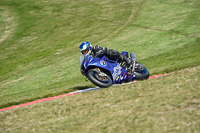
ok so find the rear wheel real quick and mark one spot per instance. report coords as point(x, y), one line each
point(99, 78)
point(141, 72)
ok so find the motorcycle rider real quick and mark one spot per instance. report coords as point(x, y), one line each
point(97, 51)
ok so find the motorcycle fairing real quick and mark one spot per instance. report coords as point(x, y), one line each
point(119, 74)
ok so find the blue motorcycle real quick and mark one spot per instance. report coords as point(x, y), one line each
point(104, 72)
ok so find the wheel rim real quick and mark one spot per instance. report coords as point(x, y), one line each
point(144, 71)
point(104, 79)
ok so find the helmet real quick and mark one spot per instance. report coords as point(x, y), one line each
point(85, 48)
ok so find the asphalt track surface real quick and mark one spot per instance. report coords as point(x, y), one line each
point(68, 94)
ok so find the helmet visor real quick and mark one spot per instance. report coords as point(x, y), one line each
point(84, 51)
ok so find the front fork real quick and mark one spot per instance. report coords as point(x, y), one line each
point(133, 60)
point(136, 67)
point(133, 68)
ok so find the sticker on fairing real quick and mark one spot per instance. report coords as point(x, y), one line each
point(103, 63)
point(117, 71)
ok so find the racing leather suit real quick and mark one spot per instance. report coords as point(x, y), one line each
point(98, 51)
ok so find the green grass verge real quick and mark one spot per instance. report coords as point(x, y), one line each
point(39, 41)
point(165, 104)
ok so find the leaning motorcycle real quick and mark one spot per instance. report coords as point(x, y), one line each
point(104, 72)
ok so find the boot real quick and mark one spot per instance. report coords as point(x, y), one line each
point(128, 63)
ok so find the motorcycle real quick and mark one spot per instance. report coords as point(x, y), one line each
point(104, 72)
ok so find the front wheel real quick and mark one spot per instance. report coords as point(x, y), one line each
point(99, 78)
point(141, 72)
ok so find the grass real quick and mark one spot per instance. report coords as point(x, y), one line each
point(39, 41)
point(39, 48)
point(166, 104)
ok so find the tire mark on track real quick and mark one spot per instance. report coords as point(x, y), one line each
point(129, 20)
point(8, 26)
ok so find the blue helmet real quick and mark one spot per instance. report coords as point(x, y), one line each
point(85, 47)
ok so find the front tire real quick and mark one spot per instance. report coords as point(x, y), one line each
point(99, 78)
point(141, 74)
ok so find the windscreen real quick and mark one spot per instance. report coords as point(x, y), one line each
point(81, 59)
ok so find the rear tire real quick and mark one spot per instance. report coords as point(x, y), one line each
point(94, 77)
point(143, 74)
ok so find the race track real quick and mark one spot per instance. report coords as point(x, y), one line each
point(69, 94)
